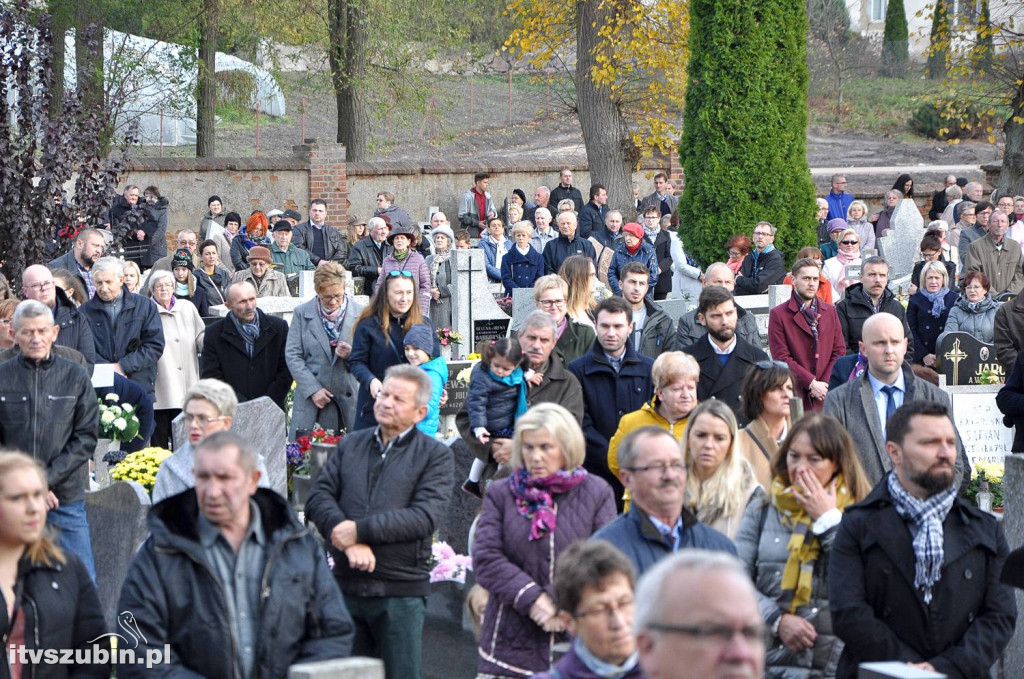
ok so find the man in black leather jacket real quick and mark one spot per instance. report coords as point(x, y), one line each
point(48, 410)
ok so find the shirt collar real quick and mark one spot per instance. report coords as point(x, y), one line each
point(394, 439)
point(722, 352)
point(876, 384)
point(209, 532)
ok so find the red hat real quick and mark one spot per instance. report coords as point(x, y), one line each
point(634, 229)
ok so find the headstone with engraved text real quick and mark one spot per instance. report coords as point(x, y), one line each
point(979, 422)
point(963, 359)
point(475, 314)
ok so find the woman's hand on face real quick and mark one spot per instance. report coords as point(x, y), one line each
point(796, 633)
point(812, 496)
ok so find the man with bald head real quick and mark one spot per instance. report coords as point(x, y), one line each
point(37, 283)
point(864, 404)
point(690, 329)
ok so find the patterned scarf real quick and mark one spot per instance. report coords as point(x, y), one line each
point(938, 300)
point(250, 332)
point(927, 515)
point(250, 243)
point(811, 315)
point(534, 500)
point(332, 320)
point(440, 257)
point(858, 368)
point(650, 233)
point(804, 547)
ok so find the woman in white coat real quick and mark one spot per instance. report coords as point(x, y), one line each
point(317, 351)
point(687, 280)
point(178, 367)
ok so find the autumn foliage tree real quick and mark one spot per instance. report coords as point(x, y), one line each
point(626, 60)
point(745, 129)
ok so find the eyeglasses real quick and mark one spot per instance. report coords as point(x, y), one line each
point(201, 420)
point(734, 253)
point(974, 287)
point(659, 468)
point(332, 298)
point(721, 634)
point(849, 242)
point(766, 234)
point(397, 272)
point(929, 255)
point(766, 365)
point(608, 612)
point(39, 287)
point(551, 303)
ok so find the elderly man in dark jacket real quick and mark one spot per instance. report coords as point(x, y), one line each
point(230, 579)
point(48, 410)
point(366, 257)
point(125, 326)
point(567, 244)
point(914, 568)
point(871, 296)
point(615, 379)
point(378, 502)
point(246, 349)
point(37, 283)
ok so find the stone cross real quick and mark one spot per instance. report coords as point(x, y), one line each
point(475, 314)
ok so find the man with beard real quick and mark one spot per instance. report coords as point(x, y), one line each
point(89, 246)
point(690, 329)
point(805, 334)
point(914, 568)
point(724, 357)
point(657, 524)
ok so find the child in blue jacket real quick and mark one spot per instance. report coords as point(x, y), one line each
point(419, 343)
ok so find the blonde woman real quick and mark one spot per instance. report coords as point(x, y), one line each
point(857, 219)
point(834, 268)
point(720, 482)
point(132, 275)
point(573, 339)
point(580, 274)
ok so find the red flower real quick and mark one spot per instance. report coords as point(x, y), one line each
point(318, 434)
point(304, 444)
point(331, 440)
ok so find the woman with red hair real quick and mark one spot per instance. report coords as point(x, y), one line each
point(253, 233)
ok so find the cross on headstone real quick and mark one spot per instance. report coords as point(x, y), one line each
point(955, 355)
point(475, 314)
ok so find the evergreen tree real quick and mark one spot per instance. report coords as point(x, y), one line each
point(745, 126)
point(894, 41)
point(938, 49)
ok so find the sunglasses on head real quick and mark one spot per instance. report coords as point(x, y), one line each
point(396, 273)
point(766, 365)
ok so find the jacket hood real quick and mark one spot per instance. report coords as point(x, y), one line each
point(858, 295)
point(984, 305)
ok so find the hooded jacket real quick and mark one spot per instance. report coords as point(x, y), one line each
point(177, 599)
point(645, 255)
point(856, 307)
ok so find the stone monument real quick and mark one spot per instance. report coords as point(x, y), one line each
point(475, 314)
point(902, 241)
point(962, 359)
point(979, 422)
point(262, 424)
point(117, 526)
point(522, 306)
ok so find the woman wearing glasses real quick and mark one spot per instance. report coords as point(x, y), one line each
point(975, 311)
point(550, 293)
point(379, 339)
point(834, 268)
point(785, 540)
point(317, 353)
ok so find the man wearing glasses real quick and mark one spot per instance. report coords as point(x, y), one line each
point(764, 265)
point(838, 199)
point(37, 283)
point(982, 211)
point(997, 257)
point(657, 524)
point(696, 617)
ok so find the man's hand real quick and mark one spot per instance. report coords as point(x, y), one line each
point(501, 451)
point(140, 235)
point(117, 369)
point(321, 397)
point(444, 397)
point(926, 666)
point(796, 633)
point(818, 390)
point(535, 379)
point(51, 500)
point(361, 558)
point(435, 293)
point(344, 535)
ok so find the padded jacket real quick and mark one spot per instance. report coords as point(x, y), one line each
point(74, 328)
point(856, 307)
point(177, 599)
point(135, 340)
point(645, 255)
point(396, 515)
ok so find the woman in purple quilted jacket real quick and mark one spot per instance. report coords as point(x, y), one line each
point(547, 503)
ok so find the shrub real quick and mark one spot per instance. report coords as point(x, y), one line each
point(894, 41)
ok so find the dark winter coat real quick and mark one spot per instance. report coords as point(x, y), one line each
point(198, 299)
point(663, 253)
point(490, 248)
point(1008, 333)
point(74, 328)
point(880, 615)
point(925, 327)
point(1010, 401)
point(364, 259)
point(176, 598)
point(558, 250)
point(915, 277)
point(264, 374)
point(397, 216)
point(215, 285)
point(856, 307)
point(607, 396)
point(396, 516)
point(490, 403)
point(724, 382)
point(129, 220)
point(516, 571)
point(48, 410)
point(158, 241)
point(591, 219)
point(637, 538)
point(135, 341)
point(754, 279)
point(560, 193)
point(644, 255)
point(335, 245)
point(763, 545)
point(61, 610)
point(519, 270)
point(240, 249)
point(68, 262)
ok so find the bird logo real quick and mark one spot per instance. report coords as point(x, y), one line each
point(126, 621)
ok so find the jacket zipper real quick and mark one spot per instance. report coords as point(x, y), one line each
point(35, 630)
point(35, 411)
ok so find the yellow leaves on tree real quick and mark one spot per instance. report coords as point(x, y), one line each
point(640, 57)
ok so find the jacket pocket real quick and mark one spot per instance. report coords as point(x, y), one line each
point(59, 408)
point(14, 408)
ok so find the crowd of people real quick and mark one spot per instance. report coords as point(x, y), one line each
point(677, 498)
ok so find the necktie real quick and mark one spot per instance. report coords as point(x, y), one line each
point(890, 401)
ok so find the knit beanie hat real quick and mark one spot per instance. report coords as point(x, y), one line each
point(261, 253)
point(421, 337)
point(182, 258)
point(634, 229)
point(837, 224)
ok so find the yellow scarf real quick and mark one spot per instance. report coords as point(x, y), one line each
point(804, 547)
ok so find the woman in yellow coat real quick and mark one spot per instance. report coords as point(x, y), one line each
point(675, 376)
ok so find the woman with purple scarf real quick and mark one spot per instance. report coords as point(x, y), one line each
point(547, 503)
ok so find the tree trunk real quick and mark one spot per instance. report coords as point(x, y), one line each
point(60, 19)
point(347, 56)
point(1011, 178)
point(611, 153)
point(89, 57)
point(206, 94)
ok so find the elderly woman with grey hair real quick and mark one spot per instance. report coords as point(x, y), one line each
point(443, 275)
point(882, 218)
point(209, 406)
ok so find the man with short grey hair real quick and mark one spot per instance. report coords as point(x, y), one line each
point(690, 329)
point(697, 618)
point(367, 256)
point(543, 233)
point(125, 326)
point(997, 257)
point(230, 579)
point(541, 199)
point(377, 502)
point(764, 265)
point(49, 411)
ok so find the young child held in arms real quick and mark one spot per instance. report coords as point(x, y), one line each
point(419, 343)
point(497, 397)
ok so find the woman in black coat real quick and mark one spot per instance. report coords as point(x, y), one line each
point(928, 310)
point(378, 340)
point(49, 602)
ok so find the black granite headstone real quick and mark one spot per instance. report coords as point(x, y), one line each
point(457, 391)
point(490, 329)
point(963, 359)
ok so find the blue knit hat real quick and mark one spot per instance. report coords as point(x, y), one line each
point(421, 337)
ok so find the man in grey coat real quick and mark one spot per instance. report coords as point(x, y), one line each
point(690, 329)
point(863, 405)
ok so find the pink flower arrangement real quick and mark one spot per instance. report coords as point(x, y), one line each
point(448, 566)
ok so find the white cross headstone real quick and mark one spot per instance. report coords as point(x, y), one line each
point(475, 314)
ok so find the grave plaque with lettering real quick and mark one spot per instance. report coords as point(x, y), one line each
point(458, 390)
point(965, 360)
point(979, 422)
point(490, 329)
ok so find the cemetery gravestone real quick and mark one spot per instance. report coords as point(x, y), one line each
point(963, 360)
point(980, 423)
point(475, 314)
point(677, 308)
point(523, 305)
point(902, 242)
point(117, 526)
point(1013, 527)
point(262, 423)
